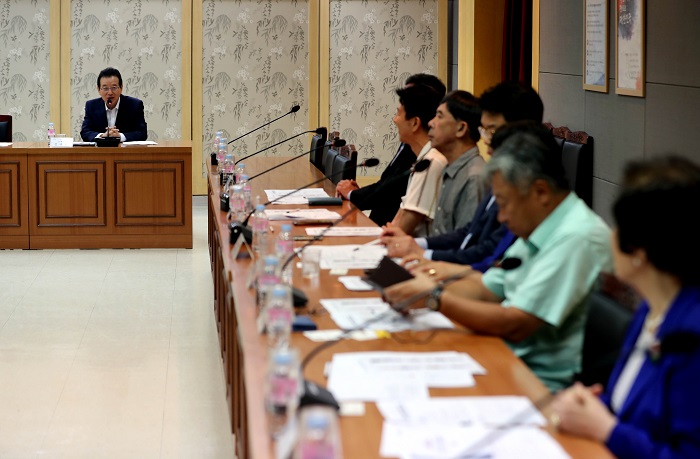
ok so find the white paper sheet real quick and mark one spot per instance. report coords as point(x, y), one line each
point(345, 231)
point(5, 144)
point(301, 214)
point(351, 256)
point(298, 197)
point(355, 284)
point(140, 142)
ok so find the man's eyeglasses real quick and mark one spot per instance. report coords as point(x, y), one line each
point(486, 134)
point(110, 88)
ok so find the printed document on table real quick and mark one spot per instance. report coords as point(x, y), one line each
point(140, 142)
point(375, 376)
point(297, 197)
point(301, 214)
point(467, 442)
point(345, 231)
point(488, 411)
point(351, 256)
point(5, 144)
point(350, 313)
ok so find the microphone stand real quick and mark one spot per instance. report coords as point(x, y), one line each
point(294, 109)
point(315, 131)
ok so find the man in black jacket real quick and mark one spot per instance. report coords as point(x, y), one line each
point(385, 203)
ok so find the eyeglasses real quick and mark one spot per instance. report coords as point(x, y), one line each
point(111, 88)
point(486, 134)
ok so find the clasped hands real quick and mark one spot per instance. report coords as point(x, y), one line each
point(110, 132)
point(344, 187)
point(579, 411)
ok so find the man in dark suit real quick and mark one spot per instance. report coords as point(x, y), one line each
point(384, 205)
point(113, 114)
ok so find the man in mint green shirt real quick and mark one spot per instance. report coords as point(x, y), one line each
point(536, 299)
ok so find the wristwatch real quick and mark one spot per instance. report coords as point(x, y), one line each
point(433, 301)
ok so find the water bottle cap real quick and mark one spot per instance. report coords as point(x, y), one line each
point(241, 165)
point(229, 155)
point(286, 227)
point(237, 187)
point(282, 358)
point(244, 176)
point(271, 260)
point(279, 291)
point(50, 124)
point(317, 421)
point(260, 207)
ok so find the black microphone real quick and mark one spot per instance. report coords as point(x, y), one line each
point(236, 228)
point(292, 110)
point(315, 131)
point(336, 143)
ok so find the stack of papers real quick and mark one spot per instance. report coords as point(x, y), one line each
point(396, 376)
point(297, 197)
point(301, 214)
point(345, 231)
point(351, 313)
point(350, 256)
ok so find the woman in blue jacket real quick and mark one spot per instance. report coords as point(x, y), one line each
point(651, 405)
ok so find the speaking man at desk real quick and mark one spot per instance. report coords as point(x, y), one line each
point(113, 114)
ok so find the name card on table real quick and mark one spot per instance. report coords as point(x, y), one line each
point(61, 142)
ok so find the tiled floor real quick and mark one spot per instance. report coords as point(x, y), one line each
point(111, 354)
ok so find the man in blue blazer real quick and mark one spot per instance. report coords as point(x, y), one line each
point(113, 114)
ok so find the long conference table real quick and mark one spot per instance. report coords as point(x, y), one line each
point(86, 197)
point(244, 350)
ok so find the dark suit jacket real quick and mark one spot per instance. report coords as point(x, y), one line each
point(486, 234)
point(661, 416)
point(384, 197)
point(130, 119)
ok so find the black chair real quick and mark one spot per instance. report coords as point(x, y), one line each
point(345, 164)
point(326, 155)
point(559, 134)
point(577, 159)
point(316, 156)
point(5, 128)
point(611, 307)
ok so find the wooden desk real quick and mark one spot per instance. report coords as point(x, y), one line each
point(244, 351)
point(87, 197)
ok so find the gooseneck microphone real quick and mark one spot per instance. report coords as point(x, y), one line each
point(236, 228)
point(315, 131)
point(294, 109)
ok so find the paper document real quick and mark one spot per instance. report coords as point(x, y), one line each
point(350, 313)
point(320, 336)
point(301, 214)
point(140, 142)
point(494, 411)
point(398, 376)
point(467, 442)
point(298, 197)
point(345, 231)
point(351, 256)
point(355, 284)
point(5, 144)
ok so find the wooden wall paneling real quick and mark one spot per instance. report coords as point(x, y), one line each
point(14, 210)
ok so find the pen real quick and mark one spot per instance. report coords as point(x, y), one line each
point(373, 242)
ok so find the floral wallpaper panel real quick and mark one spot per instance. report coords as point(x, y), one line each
point(375, 46)
point(255, 68)
point(143, 40)
point(24, 67)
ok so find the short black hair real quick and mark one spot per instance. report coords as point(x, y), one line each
point(514, 100)
point(655, 213)
point(428, 80)
point(109, 72)
point(419, 101)
point(463, 106)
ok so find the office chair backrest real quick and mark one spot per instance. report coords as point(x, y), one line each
point(331, 137)
point(345, 164)
point(5, 128)
point(577, 159)
point(316, 157)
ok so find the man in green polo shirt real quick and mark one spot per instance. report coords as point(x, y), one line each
point(536, 299)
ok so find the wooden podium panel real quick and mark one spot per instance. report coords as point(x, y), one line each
point(14, 221)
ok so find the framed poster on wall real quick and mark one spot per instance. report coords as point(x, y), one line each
point(630, 47)
point(595, 45)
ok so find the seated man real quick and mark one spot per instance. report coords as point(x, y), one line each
point(536, 300)
point(393, 181)
point(454, 132)
point(113, 114)
point(417, 106)
point(475, 243)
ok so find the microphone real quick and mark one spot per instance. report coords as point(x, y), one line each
point(294, 109)
point(320, 130)
point(336, 143)
point(236, 228)
point(418, 167)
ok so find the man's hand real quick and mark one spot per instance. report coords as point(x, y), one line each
point(344, 187)
point(439, 270)
point(398, 243)
point(397, 293)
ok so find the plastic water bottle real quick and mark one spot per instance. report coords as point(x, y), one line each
point(282, 391)
point(319, 436)
point(279, 314)
point(260, 226)
point(285, 250)
point(227, 170)
point(237, 204)
point(247, 193)
point(217, 140)
point(267, 279)
point(51, 132)
point(240, 170)
point(221, 155)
